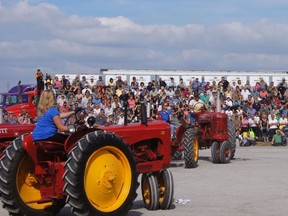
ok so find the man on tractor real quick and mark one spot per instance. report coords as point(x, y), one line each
point(195, 105)
point(166, 115)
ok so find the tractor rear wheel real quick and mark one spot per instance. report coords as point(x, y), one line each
point(150, 191)
point(225, 152)
point(101, 176)
point(215, 152)
point(191, 148)
point(19, 186)
point(177, 155)
point(232, 137)
point(166, 189)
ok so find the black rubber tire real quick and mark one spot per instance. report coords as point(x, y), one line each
point(166, 189)
point(13, 155)
point(177, 155)
point(232, 137)
point(225, 152)
point(78, 160)
point(150, 191)
point(191, 148)
point(215, 152)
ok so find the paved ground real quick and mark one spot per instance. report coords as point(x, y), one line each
point(254, 184)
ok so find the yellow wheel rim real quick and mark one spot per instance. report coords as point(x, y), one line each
point(27, 185)
point(162, 188)
point(146, 190)
point(196, 148)
point(107, 178)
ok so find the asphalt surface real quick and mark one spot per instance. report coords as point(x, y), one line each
point(254, 184)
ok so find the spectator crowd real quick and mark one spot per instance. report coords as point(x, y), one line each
point(261, 108)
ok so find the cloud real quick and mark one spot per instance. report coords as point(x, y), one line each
point(41, 35)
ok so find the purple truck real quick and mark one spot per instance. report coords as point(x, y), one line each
point(17, 94)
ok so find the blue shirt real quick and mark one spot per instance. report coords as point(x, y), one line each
point(165, 115)
point(96, 101)
point(45, 126)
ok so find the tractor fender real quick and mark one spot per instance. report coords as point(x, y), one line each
point(180, 134)
point(73, 138)
point(29, 147)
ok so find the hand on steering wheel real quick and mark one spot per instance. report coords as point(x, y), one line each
point(77, 118)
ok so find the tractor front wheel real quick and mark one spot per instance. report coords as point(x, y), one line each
point(166, 189)
point(20, 188)
point(225, 152)
point(191, 148)
point(150, 192)
point(215, 152)
point(101, 176)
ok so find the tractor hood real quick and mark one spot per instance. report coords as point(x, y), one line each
point(206, 117)
point(14, 130)
point(136, 132)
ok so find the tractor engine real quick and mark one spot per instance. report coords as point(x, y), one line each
point(146, 151)
point(213, 125)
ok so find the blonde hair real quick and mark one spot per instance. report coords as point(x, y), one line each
point(46, 101)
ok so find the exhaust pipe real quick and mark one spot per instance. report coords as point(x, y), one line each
point(143, 111)
point(218, 102)
point(1, 116)
point(148, 108)
point(125, 113)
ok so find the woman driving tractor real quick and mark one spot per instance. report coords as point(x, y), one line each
point(50, 120)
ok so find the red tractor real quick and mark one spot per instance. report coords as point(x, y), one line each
point(212, 129)
point(95, 171)
point(9, 132)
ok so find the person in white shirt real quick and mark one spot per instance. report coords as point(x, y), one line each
point(229, 102)
point(257, 118)
point(170, 92)
point(239, 111)
point(196, 104)
point(61, 100)
point(229, 112)
point(121, 118)
point(212, 99)
point(108, 110)
point(86, 88)
point(245, 93)
point(283, 121)
point(115, 102)
point(239, 84)
point(273, 126)
point(96, 109)
point(254, 125)
point(233, 85)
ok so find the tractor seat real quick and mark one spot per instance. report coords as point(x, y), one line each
point(49, 145)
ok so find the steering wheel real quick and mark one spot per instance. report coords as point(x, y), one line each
point(77, 119)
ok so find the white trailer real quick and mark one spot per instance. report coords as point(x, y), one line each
point(189, 75)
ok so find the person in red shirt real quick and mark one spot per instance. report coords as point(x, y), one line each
point(131, 101)
point(263, 94)
point(276, 100)
point(185, 92)
point(65, 107)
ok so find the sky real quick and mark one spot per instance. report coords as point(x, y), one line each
point(71, 36)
